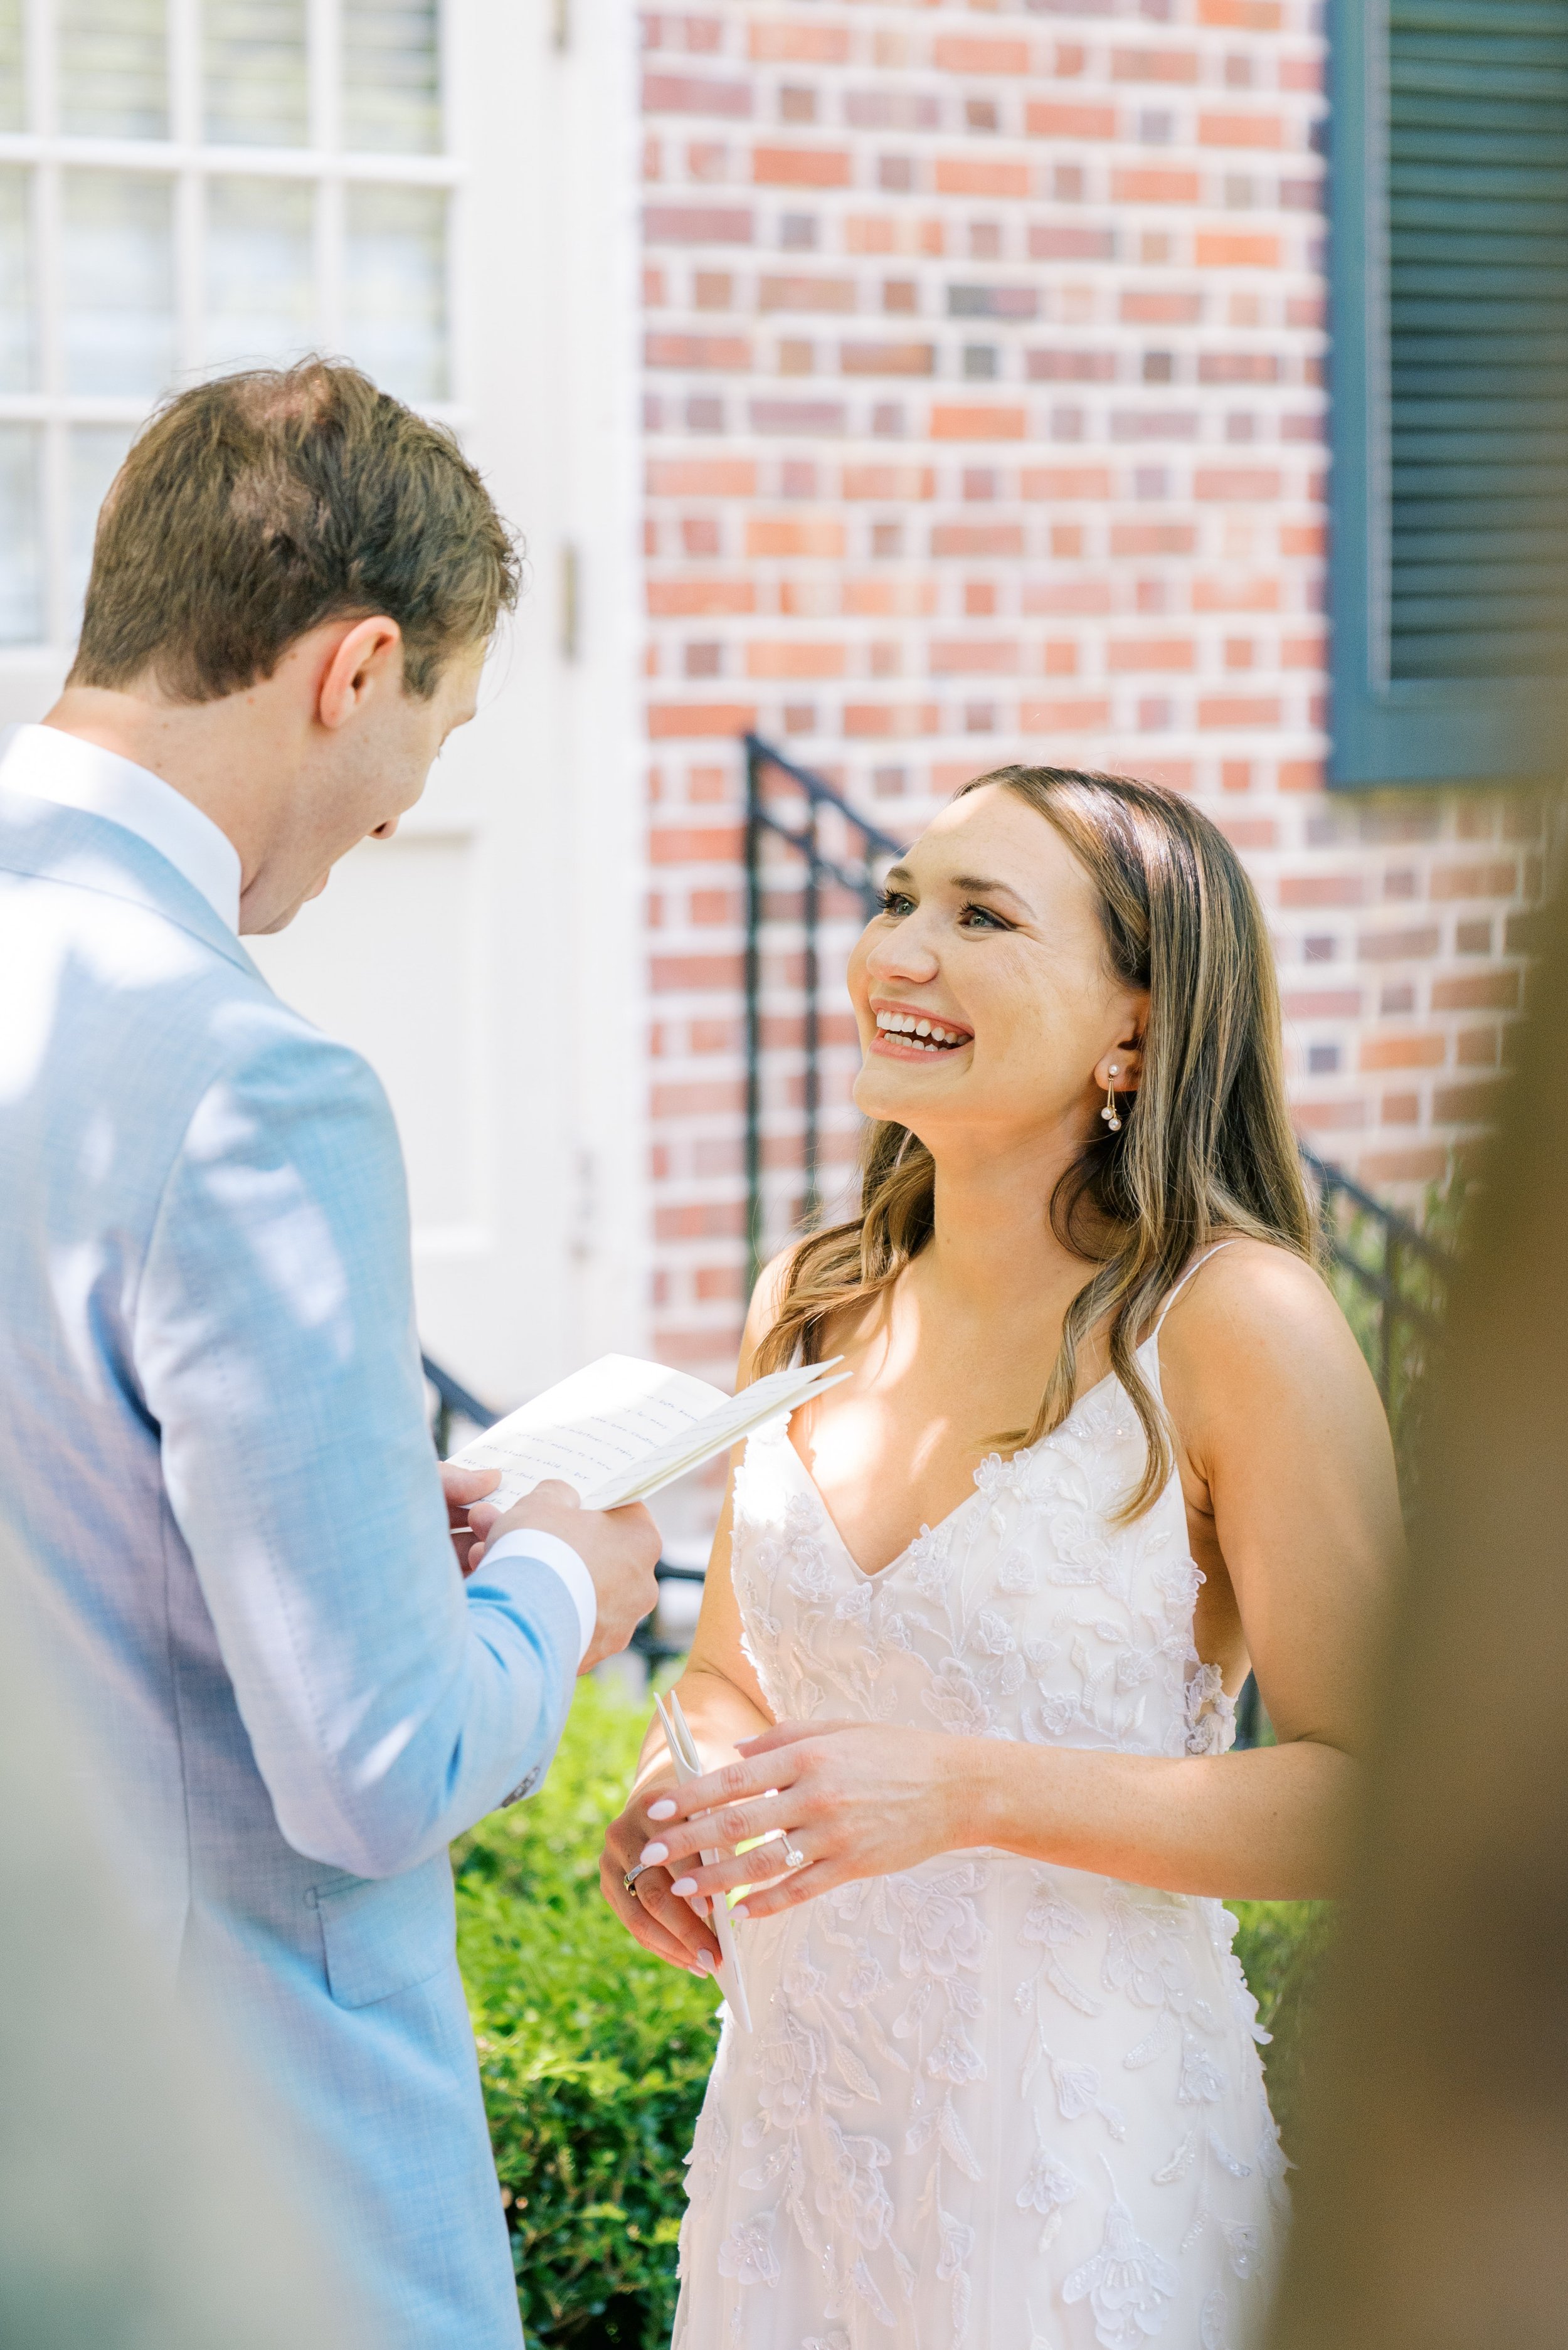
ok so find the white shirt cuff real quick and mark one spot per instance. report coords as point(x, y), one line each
point(549, 1550)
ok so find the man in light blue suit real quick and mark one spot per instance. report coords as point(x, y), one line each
point(213, 1441)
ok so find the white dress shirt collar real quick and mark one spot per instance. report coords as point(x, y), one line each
point(53, 765)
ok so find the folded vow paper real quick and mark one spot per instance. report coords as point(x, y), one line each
point(622, 1428)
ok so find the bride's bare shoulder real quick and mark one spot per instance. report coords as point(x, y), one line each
point(1254, 1315)
point(837, 1330)
point(767, 1299)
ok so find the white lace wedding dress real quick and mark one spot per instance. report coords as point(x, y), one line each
point(988, 2104)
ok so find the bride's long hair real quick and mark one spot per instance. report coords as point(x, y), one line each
point(1205, 1148)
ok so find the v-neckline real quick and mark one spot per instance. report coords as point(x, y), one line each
point(1024, 1452)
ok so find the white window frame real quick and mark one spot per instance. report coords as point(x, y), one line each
point(190, 161)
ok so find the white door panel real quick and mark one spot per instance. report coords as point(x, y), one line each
point(386, 961)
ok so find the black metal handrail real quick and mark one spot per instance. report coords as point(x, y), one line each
point(858, 877)
point(1380, 1281)
point(453, 1401)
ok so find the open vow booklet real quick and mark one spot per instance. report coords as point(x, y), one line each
point(620, 1430)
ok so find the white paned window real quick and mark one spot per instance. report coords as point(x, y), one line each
point(12, 97)
point(260, 270)
point(113, 69)
point(394, 302)
point(255, 67)
point(391, 81)
point(117, 289)
point(21, 538)
point(188, 185)
point(18, 361)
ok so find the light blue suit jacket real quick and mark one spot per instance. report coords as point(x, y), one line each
point(213, 1450)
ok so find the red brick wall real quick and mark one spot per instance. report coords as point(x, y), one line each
point(984, 420)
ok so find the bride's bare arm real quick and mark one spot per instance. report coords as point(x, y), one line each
point(1282, 1431)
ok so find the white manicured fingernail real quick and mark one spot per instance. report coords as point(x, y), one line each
point(682, 1884)
point(663, 1810)
point(740, 1910)
point(704, 1963)
point(651, 1855)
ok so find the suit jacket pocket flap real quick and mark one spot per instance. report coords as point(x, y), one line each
point(386, 1935)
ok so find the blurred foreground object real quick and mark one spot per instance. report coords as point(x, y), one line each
point(137, 2211)
point(1435, 2172)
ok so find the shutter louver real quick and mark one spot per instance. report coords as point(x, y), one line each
point(1477, 199)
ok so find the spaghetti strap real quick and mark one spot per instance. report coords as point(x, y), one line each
point(1197, 1263)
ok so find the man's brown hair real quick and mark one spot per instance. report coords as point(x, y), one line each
point(252, 508)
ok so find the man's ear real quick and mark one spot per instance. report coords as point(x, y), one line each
point(368, 656)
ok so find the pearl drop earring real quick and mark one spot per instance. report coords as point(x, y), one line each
point(1109, 1111)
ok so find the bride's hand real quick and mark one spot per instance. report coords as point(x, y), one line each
point(653, 1916)
point(852, 1798)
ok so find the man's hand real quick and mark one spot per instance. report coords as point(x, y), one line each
point(619, 1547)
point(462, 1488)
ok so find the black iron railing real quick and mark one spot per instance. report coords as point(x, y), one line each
point(811, 864)
point(1391, 1278)
point(453, 1402)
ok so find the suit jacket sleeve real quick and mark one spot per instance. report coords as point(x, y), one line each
point(389, 1705)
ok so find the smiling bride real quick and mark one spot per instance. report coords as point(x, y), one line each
point(974, 1619)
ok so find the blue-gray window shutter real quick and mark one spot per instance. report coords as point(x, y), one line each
point(1448, 266)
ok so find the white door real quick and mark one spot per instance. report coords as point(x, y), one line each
point(446, 194)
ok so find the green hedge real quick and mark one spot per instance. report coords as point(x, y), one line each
point(594, 2055)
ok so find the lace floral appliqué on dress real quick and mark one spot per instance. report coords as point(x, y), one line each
point(987, 2103)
